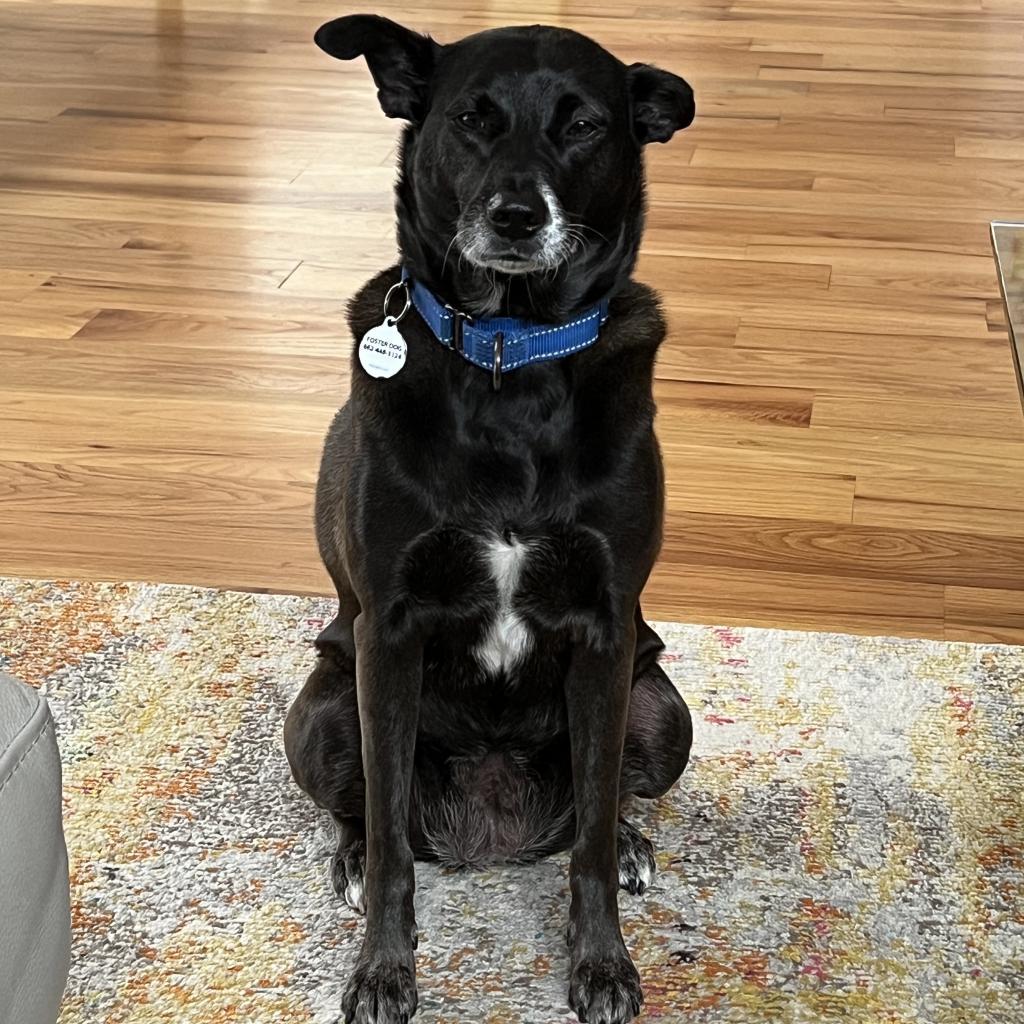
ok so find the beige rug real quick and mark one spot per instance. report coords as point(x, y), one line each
point(847, 845)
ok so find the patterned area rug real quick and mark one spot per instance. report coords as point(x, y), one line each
point(847, 845)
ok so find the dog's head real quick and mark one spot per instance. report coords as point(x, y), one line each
point(521, 187)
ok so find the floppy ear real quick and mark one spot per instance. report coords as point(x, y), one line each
point(400, 61)
point(662, 103)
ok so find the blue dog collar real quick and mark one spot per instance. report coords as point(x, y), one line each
point(501, 344)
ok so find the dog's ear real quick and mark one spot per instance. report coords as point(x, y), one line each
point(401, 61)
point(662, 103)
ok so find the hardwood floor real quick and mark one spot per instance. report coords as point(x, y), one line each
point(188, 196)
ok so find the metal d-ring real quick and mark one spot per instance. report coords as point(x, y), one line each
point(392, 320)
point(499, 350)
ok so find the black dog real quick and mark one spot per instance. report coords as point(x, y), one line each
point(489, 689)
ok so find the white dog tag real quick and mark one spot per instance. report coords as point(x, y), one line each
point(382, 350)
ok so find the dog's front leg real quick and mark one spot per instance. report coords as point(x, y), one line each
point(382, 989)
point(604, 986)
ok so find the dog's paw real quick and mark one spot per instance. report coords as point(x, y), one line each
point(347, 874)
point(382, 990)
point(605, 990)
point(636, 859)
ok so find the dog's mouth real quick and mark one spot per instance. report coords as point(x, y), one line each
point(511, 262)
point(543, 253)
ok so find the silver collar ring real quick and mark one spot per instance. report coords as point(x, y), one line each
point(387, 301)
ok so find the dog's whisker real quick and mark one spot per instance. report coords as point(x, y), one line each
point(578, 225)
point(529, 294)
point(447, 252)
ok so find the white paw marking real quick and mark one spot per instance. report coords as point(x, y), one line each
point(354, 895)
point(635, 866)
point(508, 637)
point(645, 872)
point(634, 872)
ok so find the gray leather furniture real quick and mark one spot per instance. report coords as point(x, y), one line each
point(35, 922)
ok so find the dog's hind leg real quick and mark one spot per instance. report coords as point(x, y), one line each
point(657, 747)
point(656, 751)
point(323, 744)
point(348, 865)
point(658, 730)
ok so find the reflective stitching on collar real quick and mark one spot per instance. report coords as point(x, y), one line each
point(521, 338)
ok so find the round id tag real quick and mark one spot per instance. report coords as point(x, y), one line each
point(382, 351)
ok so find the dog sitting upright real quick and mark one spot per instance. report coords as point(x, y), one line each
point(490, 503)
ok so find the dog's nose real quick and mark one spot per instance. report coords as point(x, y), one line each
point(517, 215)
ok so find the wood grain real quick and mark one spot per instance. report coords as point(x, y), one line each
point(189, 197)
point(984, 615)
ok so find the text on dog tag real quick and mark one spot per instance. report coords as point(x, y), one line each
point(382, 350)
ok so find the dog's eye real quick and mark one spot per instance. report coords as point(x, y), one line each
point(471, 120)
point(582, 129)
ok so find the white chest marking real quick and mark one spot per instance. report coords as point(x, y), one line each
point(508, 637)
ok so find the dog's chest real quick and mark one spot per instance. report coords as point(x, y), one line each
point(494, 602)
point(507, 638)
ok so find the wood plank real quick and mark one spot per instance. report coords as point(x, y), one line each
point(682, 402)
point(848, 371)
point(168, 370)
point(752, 596)
point(984, 615)
point(698, 485)
point(982, 489)
point(912, 515)
point(846, 550)
point(108, 546)
point(212, 504)
point(971, 461)
point(968, 419)
point(142, 267)
point(303, 332)
point(179, 425)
